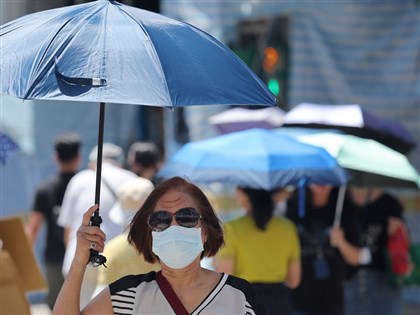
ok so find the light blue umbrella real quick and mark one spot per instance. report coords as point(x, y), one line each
point(105, 51)
point(370, 163)
point(255, 158)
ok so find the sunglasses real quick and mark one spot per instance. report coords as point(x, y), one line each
point(186, 217)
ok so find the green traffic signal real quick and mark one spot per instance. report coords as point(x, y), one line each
point(274, 86)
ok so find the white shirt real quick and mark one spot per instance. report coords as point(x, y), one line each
point(140, 294)
point(80, 195)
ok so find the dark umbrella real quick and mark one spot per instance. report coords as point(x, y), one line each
point(105, 51)
point(237, 119)
point(352, 119)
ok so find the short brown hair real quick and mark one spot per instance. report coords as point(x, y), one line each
point(140, 234)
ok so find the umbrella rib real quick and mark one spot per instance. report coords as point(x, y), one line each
point(47, 66)
point(162, 73)
point(53, 57)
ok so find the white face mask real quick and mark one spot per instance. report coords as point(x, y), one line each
point(177, 246)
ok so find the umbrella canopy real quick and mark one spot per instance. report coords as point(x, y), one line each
point(255, 158)
point(105, 51)
point(237, 119)
point(352, 119)
point(370, 163)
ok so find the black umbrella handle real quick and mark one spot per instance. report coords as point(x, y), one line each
point(95, 258)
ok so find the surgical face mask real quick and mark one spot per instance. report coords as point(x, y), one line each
point(177, 246)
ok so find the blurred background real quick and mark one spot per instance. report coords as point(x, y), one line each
point(323, 52)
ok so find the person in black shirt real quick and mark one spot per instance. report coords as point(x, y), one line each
point(46, 207)
point(368, 291)
point(325, 248)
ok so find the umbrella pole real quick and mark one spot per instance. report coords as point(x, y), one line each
point(339, 206)
point(99, 156)
point(302, 197)
point(95, 258)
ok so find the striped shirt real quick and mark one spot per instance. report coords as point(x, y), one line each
point(140, 294)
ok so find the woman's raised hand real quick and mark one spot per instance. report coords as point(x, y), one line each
point(88, 237)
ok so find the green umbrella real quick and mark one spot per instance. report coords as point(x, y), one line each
point(370, 163)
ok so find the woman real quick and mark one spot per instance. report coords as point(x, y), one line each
point(262, 249)
point(176, 226)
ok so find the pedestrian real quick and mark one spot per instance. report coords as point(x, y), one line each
point(262, 249)
point(80, 194)
point(176, 227)
point(122, 258)
point(326, 250)
point(369, 291)
point(46, 208)
point(144, 159)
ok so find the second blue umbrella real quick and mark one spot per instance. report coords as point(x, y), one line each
point(254, 158)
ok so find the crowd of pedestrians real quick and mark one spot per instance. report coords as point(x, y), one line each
point(297, 264)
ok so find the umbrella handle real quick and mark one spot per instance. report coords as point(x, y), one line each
point(339, 205)
point(95, 258)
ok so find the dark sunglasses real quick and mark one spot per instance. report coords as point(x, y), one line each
point(160, 220)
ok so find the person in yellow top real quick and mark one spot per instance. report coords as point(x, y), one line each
point(262, 249)
point(122, 258)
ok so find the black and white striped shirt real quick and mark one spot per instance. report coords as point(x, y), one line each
point(140, 294)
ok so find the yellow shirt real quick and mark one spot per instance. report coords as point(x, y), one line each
point(261, 256)
point(122, 260)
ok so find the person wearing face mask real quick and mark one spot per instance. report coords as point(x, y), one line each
point(176, 226)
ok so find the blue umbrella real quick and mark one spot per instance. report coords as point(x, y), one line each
point(8, 148)
point(104, 51)
point(255, 158)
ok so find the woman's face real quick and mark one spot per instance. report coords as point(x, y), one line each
point(174, 200)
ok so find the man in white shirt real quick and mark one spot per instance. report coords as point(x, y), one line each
point(80, 195)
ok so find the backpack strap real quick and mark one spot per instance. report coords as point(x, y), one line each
point(170, 295)
point(108, 186)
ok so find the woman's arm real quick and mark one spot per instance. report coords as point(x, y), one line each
point(35, 221)
point(100, 304)
point(294, 274)
point(68, 300)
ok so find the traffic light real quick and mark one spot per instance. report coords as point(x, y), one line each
point(263, 45)
point(272, 70)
